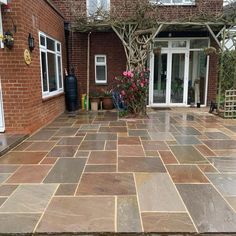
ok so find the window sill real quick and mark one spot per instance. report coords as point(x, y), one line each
point(45, 99)
point(101, 84)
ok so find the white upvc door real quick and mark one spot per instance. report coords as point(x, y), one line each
point(2, 123)
point(171, 89)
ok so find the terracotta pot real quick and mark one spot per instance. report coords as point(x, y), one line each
point(107, 103)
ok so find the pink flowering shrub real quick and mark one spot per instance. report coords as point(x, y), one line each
point(133, 87)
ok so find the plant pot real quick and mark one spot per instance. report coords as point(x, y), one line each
point(198, 105)
point(94, 106)
point(107, 103)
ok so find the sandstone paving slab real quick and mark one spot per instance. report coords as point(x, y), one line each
point(138, 133)
point(155, 146)
point(4, 177)
point(232, 202)
point(225, 183)
point(129, 151)
point(71, 141)
point(100, 168)
point(188, 130)
point(161, 136)
point(224, 164)
point(29, 198)
point(128, 216)
point(220, 144)
point(92, 145)
point(30, 174)
point(209, 211)
point(207, 168)
point(63, 151)
point(101, 136)
point(66, 170)
point(7, 190)
point(111, 145)
point(106, 184)
point(157, 192)
point(102, 157)
point(140, 164)
point(167, 222)
point(188, 155)
point(168, 157)
point(66, 132)
point(114, 129)
point(186, 174)
point(2, 200)
point(8, 168)
point(204, 150)
point(42, 135)
point(41, 146)
point(216, 135)
point(129, 141)
point(79, 214)
point(22, 157)
point(66, 190)
point(18, 223)
point(187, 139)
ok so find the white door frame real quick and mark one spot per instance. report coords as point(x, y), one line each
point(2, 121)
point(169, 51)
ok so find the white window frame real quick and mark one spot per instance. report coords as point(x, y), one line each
point(46, 94)
point(99, 4)
point(172, 3)
point(101, 64)
point(1, 28)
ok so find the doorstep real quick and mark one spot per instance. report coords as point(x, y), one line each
point(9, 141)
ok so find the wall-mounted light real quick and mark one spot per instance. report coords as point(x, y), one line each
point(31, 42)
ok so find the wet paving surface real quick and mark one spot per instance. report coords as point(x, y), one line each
point(173, 172)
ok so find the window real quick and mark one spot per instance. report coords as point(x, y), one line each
point(173, 2)
point(51, 65)
point(94, 5)
point(100, 69)
point(1, 30)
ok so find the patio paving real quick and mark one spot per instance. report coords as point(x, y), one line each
point(173, 172)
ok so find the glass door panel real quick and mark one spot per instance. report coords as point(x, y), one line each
point(160, 76)
point(177, 78)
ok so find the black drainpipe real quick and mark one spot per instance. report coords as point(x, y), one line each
point(67, 35)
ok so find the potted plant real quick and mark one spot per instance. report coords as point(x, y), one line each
point(8, 39)
point(95, 99)
point(107, 101)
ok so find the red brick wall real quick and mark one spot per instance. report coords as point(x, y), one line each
point(213, 75)
point(24, 109)
point(109, 44)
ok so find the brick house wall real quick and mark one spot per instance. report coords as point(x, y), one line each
point(24, 109)
point(109, 44)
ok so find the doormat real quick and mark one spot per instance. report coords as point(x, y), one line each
point(161, 108)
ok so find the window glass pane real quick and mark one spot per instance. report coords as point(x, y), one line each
point(44, 71)
point(100, 59)
point(179, 44)
point(100, 73)
point(197, 77)
point(52, 72)
point(50, 44)
point(104, 4)
point(198, 43)
point(58, 47)
point(59, 71)
point(92, 6)
point(42, 40)
point(162, 44)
